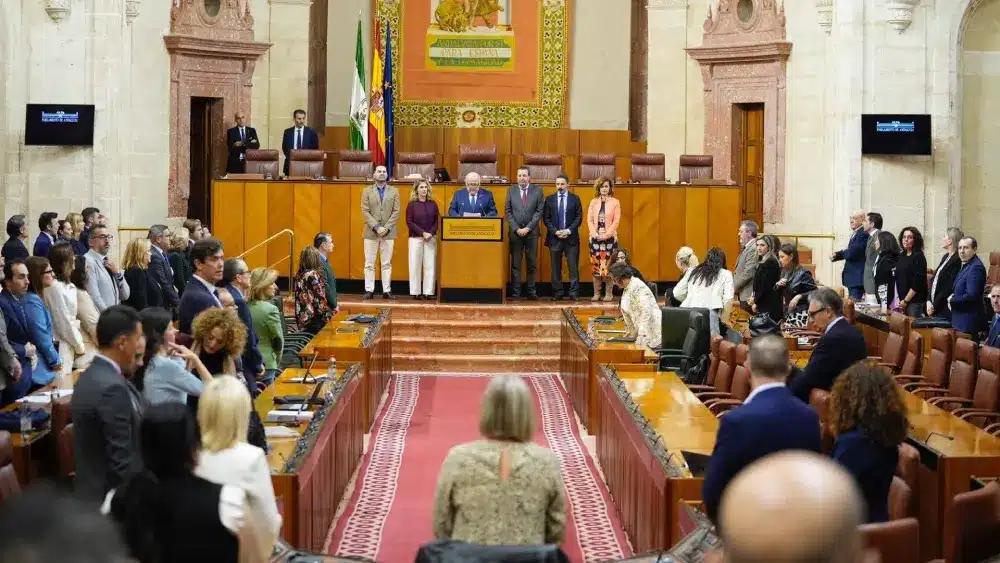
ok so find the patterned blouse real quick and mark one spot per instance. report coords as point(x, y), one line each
point(474, 504)
point(641, 314)
point(310, 302)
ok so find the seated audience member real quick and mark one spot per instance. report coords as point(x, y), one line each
point(639, 309)
point(144, 291)
point(911, 273)
point(17, 233)
point(15, 285)
point(944, 276)
point(159, 266)
point(710, 285)
point(267, 320)
point(227, 459)
point(177, 257)
point(200, 293)
point(45, 525)
point(502, 490)
point(107, 283)
point(164, 375)
point(623, 257)
point(884, 271)
point(685, 260)
point(795, 284)
point(312, 311)
point(106, 407)
point(91, 216)
point(869, 420)
point(604, 214)
point(770, 420)
point(236, 280)
point(61, 300)
point(840, 346)
point(766, 298)
point(86, 314)
point(966, 300)
point(993, 334)
point(811, 508)
point(40, 280)
point(323, 242)
point(48, 227)
point(80, 246)
point(166, 512)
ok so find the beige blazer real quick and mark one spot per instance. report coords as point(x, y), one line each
point(380, 212)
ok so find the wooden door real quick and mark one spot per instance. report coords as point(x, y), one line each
point(751, 157)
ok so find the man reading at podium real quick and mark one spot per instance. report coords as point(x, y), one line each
point(473, 201)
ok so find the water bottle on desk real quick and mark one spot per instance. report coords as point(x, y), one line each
point(25, 419)
point(331, 369)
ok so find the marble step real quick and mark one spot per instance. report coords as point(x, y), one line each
point(475, 363)
point(496, 329)
point(427, 344)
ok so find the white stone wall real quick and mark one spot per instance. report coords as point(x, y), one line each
point(283, 73)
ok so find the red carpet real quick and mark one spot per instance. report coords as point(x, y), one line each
point(389, 515)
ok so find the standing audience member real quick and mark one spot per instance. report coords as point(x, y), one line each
point(685, 260)
point(40, 280)
point(872, 226)
point(236, 280)
point(10, 365)
point(106, 408)
point(323, 242)
point(966, 300)
point(163, 375)
point(869, 420)
point(312, 312)
point(61, 300)
point(200, 293)
point(710, 285)
point(380, 208)
point(48, 227)
point(854, 257)
point(80, 245)
point(840, 347)
point(195, 231)
point(91, 216)
point(993, 334)
point(640, 311)
point(422, 222)
point(523, 211)
point(15, 285)
point(746, 264)
point(267, 321)
point(884, 271)
point(86, 314)
point(180, 263)
point(226, 299)
point(144, 290)
point(64, 232)
point(944, 276)
point(911, 273)
point(159, 266)
point(770, 420)
point(623, 257)
point(165, 511)
point(502, 490)
point(17, 233)
point(795, 284)
point(604, 214)
point(766, 298)
point(562, 214)
point(107, 283)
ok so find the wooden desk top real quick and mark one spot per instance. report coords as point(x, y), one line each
point(968, 440)
point(458, 184)
point(17, 439)
point(341, 333)
point(580, 319)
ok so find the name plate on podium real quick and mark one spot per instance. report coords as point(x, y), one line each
point(472, 229)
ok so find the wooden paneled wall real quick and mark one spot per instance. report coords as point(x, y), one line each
point(511, 144)
point(657, 219)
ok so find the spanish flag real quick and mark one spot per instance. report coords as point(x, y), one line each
point(376, 110)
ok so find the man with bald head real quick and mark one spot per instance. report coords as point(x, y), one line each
point(770, 420)
point(239, 139)
point(792, 507)
point(854, 256)
point(473, 200)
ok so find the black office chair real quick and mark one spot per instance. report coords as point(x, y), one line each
point(449, 551)
point(674, 323)
point(690, 360)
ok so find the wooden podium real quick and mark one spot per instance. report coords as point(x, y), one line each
point(472, 260)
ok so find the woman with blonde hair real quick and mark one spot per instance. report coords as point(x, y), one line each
point(685, 260)
point(766, 298)
point(178, 258)
point(143, 289)
point(61, 300)
point(603, 216)
point(422, 222)
point(227, 459)
point(312, 311)
point(502, 489)
point(267, 322)
point(77, 224)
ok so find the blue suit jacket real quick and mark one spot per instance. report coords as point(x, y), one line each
point(993, 339)
point(574, 216)
point(854, 259)
point(17, 331)
point(773, 421)
point(163, 275)
point(967, 310)
point(310, 140)
point(43, 244)
point(196, 299)
point(40, 333)
point(14, 249)
point(251, 352)
point(462, 204)
point(872, 466)
point(838, 349)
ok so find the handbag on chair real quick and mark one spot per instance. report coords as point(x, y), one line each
point(762, 323)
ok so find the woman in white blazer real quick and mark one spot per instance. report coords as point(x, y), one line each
point(86, 313)
point(60, 300)
point(710, 286)
point(685, 260)
point(227, 459)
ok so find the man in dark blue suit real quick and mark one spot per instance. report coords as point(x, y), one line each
point(840, 347)
point(993, 336)
point(966, 301)
point(298, 137)
point(854, 257)
point(48, 225)
point(17, 232)
point(15, 285)
point(236, 279)
point(199, 293)
point(562, 216)
point(91, 216)
point(770, 420)
point(472, 199)
point(159, 266)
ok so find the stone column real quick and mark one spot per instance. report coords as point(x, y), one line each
point(666, 101)
point(288, 80)
point(846, 109)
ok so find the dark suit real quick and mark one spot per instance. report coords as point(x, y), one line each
point(993, 337)
point(182, 270)
point(570, 219)
point(765, 296)
point(43, 244)
point(14, 249)
point(16, 323)
point(839, 348)
point(310, 140)
point(946, 272)
point(967, 312)
point(106, 411)
point(461, 203)
point(772, 421)
point(252, 359)
point(521, 215)
point(144, 291)
point(236, 163)
point(163, 274)
point(196, 298)
point(872, 466)
point(853, 276)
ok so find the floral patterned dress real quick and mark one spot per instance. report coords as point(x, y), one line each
point(602, 251)
point(312, 312)
point(641, 314)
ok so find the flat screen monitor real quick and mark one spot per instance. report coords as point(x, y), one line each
point(59, 125)
point(896, 134)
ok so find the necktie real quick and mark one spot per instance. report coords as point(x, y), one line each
point(114, 282)
point(243, 135)
point(473, 201)
point(298, 138)
point(524, 196)
point(993, 332)
point(562, 211)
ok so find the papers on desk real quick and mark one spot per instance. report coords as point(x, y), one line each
point(292, 407)
point(45, 397)
point(280, 432)
point(469, 214)
point(310, 379)
point(288, 416)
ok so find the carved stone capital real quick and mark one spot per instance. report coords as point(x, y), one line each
point(131, 11)
point(824, 14)
point(900, 13)
point(57, 9)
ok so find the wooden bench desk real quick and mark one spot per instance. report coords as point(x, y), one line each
point(35, 453)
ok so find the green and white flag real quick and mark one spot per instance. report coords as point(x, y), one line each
point(359, 98)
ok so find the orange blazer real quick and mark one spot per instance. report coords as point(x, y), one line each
point(612, 216)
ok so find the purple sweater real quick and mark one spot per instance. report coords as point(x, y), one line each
point(422, 217)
